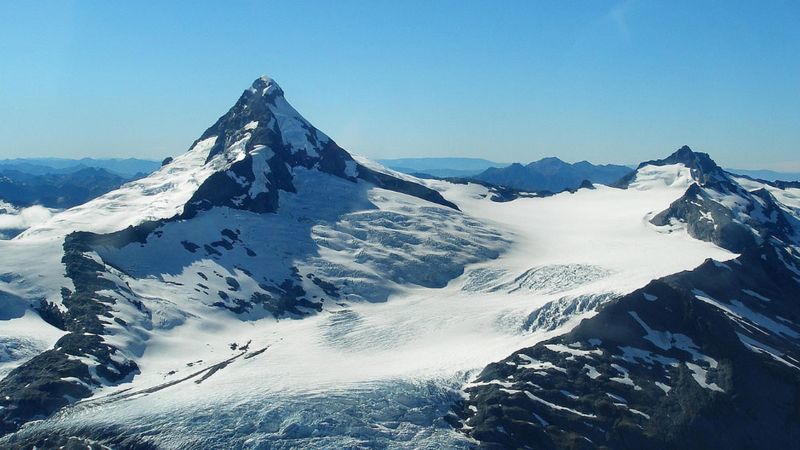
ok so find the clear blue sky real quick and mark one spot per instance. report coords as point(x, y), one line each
point(607, 81)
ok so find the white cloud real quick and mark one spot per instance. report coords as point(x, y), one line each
point(13, 218)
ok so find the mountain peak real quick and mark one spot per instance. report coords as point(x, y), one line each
point(264, 86)
point(257, 145)
point(264, 80)
point(549, 160)
point(704, 170)
point(263, 117)
point(691, 158)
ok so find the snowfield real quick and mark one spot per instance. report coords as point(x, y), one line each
point(429, 296)
point(157, 196)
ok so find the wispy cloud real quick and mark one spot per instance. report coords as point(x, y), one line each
point(618, 15)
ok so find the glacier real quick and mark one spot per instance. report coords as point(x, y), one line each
point(409, 288)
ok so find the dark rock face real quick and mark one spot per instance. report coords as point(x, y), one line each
point(552, 175)
point(628, 377)
point(708, 220)
point(80, 360)
point(707, 358)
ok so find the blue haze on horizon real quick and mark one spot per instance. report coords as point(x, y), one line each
point(604, 81)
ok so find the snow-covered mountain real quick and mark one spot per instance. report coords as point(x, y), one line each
point(266, 289)
point(264, 216)
point(704, 358)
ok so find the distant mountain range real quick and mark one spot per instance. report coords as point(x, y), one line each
point(516, 175)
point(57, 190)
point(128, 167)
point(548, 174)
point(62, 183)
point(552, 174)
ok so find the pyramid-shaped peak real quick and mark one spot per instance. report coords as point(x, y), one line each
point(258, 144)
point(264, 117)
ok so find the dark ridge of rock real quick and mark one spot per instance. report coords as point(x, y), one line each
point(603, 376)
point(58, 377)
point(708, 220)
point(392, 183)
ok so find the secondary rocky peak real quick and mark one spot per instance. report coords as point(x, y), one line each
point(716, 208)
point(704, 169)
point(693, 159)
